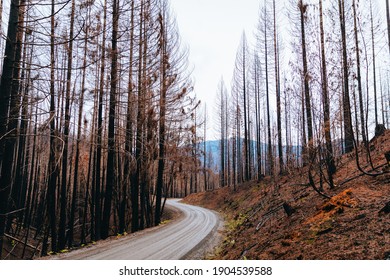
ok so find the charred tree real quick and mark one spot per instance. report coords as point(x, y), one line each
point(330, 162)
point(7, 106)
point(359, 76)
point(277, 87)
point(111, 172)
point(164, 64)
point(99, 138)
point(348, 130)
point(63, 197)
point(306, 77)
point(52, 165)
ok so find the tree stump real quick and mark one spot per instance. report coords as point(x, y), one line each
point(387, 156)
point(386, 209)
point(288, 209)
point(380, 130)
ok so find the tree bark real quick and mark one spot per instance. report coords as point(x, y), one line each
point(135, 192)
point(270, 165)
point(5, 96)
point(359, 76)
point(98, 164)
point(63, 198)
point(53, 168)
point(330, 163)
point(306, 78)
point(348, 131)
point(110, 177)
point(246, 115)
point(79, 135)
point(258, 115)
point(129, 129)
point(374, 65)
point(277, 84)
point(388, 22)
point(164, 57)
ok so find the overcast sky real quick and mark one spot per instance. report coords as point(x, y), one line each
point(212, 30)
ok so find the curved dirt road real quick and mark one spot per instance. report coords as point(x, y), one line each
point(176, 240)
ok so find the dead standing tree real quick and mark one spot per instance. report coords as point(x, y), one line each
point(5, 96)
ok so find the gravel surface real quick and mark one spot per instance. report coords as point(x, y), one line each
point(190, 236)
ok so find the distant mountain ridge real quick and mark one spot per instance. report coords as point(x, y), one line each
point(213, 148)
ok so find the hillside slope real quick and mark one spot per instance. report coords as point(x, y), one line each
point(349, 226)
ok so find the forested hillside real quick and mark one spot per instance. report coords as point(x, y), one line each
point(304, 152)
point(287, 218)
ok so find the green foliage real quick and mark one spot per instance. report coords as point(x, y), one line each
point(165, 222)
point(237, 222)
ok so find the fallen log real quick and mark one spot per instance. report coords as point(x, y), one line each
point(19, 241)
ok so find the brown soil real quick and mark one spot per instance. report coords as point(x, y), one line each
point(351, 225)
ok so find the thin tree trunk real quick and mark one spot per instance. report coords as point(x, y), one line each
point(374, 65)
point(330, 163)
point(348, 131)
point(129, 129)
point(258, 116)
point(1, 28)
point(359, 76)
point(135, 222)
point(21, 174)
point(63, 199)
point(78, 140)
point(227, 150)
point(246, 121)
point(382, 102)
point(53, 169)
point(306, 78)
point(388, 22)
point(277, 84)
point(205, 150)
point(222, 132)
point(270, 166)
point(99, 143)
point(110, 177)
point(163, 93)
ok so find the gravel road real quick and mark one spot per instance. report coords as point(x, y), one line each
point(187, 237)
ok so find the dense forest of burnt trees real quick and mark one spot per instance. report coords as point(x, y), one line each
point(313, 86)
point(97, 120)
point(98, 123)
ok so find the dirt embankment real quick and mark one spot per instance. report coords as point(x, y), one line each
point(354, 224)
